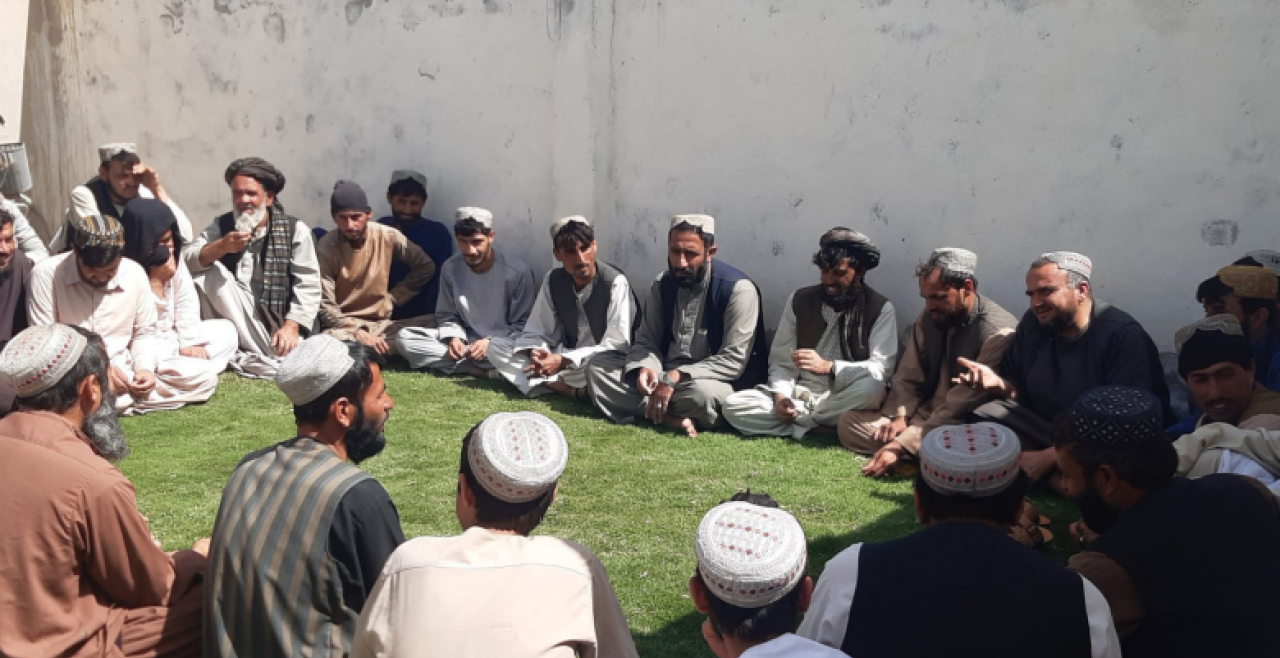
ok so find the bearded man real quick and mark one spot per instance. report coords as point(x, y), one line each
point(15, 272)
point(122, 177)
point(1066, 343)
point(302, 534)
point(356, 301)
point(957, 322)
point(256, 266)
point(834, 350)
point(80, 574)
point(702, 338)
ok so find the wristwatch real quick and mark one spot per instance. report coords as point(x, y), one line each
point(666, 379)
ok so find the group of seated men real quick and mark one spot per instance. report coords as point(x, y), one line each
point(308, 558)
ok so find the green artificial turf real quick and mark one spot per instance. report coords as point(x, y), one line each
point(633, 494)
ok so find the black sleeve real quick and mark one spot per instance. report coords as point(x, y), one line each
point(365, 530)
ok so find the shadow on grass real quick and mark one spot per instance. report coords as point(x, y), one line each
point(683, 636)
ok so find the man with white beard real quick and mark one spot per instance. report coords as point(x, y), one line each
point(80, 574)
point(257, 267)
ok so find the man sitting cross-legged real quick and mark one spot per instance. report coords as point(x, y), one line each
point(1065, 344)
point(583, 308)
point(80, 574)
point(355, 263)
point(960, 586)
point(484, 294)
point(256, 266)
point(494, 590)
point(834, 350)
point(1188, 566)
point(751, 581)
point(302, 534)
point(702, 338)
point(957, 322)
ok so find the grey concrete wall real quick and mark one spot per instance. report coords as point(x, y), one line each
point(1142, 133)
point(13, 39)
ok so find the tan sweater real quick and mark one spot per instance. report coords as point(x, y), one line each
point(353, 282)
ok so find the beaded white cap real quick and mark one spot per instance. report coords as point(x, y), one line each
point(974, 460)
point(313, 368)
point(482, 216)
point(705, 222)
point(108, 151)
point(750, 556)
point(1070, 261)
point(1222, 323)
point(39, 357)
point(565, 221)
point(955, 259)
point(518, 456)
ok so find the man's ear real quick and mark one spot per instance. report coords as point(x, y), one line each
point(968, 286)
point(806, 594)
point(1083, 288)
point(465, 494)
point(1106, 480)
point(712, 251)
point(698, 592)
point(344, 411)
point(89, 392)
point(389, 198)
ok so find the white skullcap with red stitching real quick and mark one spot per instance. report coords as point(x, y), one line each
point(750, 556)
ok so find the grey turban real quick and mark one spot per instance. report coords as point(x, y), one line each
point(258, 169)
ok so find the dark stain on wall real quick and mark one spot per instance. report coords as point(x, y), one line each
point(311, 124)
point(273, 25)
point(493, 6)
point(223, 6)
point(1220, 232)
point(355, 8)
point(1117, 143)
point(878, 215)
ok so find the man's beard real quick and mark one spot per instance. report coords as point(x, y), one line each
point(1062, 319)
point(953, 318)
point(104, 431)
point(1095, 512)
point(843, 300)
point(247, 222)
point(363, 440)
point(688, 277)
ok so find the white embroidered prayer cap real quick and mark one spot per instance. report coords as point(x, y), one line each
point(1222, 323)
point(517, 456)
point(956, 260)
point(565, 221)
point(107, 152)
point(482, 216)
point(976, 460)
point(312, 368)
point(705, 222)
point(39, 357)
point(408, 174)
point(1270, 259)
point(1070, 261)
point(750, 556)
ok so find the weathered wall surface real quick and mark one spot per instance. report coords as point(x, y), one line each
point(13, 39)
point(1142, 133)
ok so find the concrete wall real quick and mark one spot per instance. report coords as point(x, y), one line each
point(13, 39)
point(1142, 133)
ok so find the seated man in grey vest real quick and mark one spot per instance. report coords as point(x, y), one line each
point(301, 533)
point(956, 323)
point(834, 350)
point(485, 295)
point(257, 267)
point(751, 580)
point(960, 586)
point(702, 338)
point(1188, 566)
point(583, 308)
point(122, 177)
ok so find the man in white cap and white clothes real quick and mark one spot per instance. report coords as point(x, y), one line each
point(1066, 343)
point(957, 322)
point(485, 294)
point(256, 266)
point(356, 302)
point(751, 581)
point(80, 574)
point(960, 586)
point(702, 338)
point(122, 177)
point(494, 590)
point(302, 533)
point(834, 349)
point(95, 287)
point(583, 308)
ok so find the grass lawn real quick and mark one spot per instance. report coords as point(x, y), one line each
point(633, 495)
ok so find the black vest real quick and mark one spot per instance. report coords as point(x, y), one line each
point(565, 302)
point(964, 589)
point(719, 290)
point(1204, 556)
point(102, 195)
point(986, 318)
point(807, 305)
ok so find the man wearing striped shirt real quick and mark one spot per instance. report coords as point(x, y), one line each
point(302, 534)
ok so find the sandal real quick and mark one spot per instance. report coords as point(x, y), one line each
point(1032, 536)
point(1029, 515)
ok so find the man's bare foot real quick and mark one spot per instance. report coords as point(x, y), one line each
point(686, 424)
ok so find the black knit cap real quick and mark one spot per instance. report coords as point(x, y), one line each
point(348, 195)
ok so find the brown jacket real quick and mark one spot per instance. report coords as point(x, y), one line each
point(75, 553)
